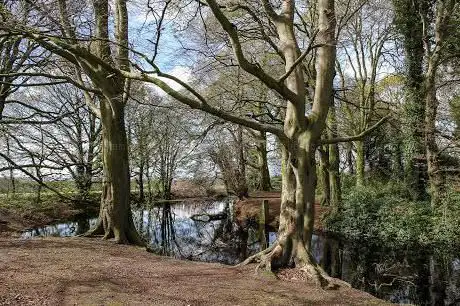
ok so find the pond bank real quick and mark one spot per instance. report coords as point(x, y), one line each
point(17, 215)
point(249, 208)
point(20, 214)
point(69, 271)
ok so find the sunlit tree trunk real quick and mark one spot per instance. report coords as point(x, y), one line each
point(303, 133)
point(115, 217)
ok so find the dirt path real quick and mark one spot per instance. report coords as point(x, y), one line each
point(77, 271)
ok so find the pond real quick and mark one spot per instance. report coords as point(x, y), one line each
point(208, 231)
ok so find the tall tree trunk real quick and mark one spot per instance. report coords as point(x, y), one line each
point(298, 164)
point(140, 181)
point(324, 176)
point(444, 11)
point(360, 163)
point(411, 28)
point(115, 217)
point(264, 173)
point(335, 188)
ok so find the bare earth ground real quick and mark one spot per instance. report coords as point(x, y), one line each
point(79, 271)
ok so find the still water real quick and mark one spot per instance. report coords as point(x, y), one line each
point(208, 231)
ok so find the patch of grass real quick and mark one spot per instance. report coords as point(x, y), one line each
point(25, 209)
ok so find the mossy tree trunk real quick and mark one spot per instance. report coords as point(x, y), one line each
point(444, 11)
point(360, 163)
point(411, 28)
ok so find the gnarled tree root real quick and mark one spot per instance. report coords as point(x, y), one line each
point(311, 270)
point(256, 257)
point(128, 235)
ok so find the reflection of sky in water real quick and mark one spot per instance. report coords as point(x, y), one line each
point(57, 230)
point(175, 233)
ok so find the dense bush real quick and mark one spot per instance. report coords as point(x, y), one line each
point(384, 213)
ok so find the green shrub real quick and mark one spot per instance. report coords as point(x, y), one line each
point(446, 222)
point(383, 213)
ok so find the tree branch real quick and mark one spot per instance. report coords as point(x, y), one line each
point(202, 105)
point(9, 160)
point(355, 137)
point(247, 66)
point(300, 58)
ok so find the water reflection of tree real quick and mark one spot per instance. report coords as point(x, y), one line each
point(82, 225)
point(167, 229)
point(415, 275)
point(213, 235)
point(157, 225)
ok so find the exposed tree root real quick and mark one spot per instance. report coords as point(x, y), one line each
point(128, 235)
point(98, 230)
point(256, 257)
point(307, 266)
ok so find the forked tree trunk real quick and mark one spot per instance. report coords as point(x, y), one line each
point(292, 247)
point(115, 217)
